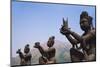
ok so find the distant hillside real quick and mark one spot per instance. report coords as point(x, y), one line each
point(62, 53)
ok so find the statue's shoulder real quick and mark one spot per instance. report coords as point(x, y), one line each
point(91, 32)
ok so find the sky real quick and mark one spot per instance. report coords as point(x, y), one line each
point(36, 22)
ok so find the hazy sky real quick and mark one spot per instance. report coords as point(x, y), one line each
point(32, 22)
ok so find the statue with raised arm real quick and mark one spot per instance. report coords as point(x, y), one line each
point(48, 56)
point(87, 40)
point(25, 58)
point(51, 50)
point(21, 56)
point(27, 55)
point(43, 59)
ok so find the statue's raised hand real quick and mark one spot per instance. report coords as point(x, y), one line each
point(64, 28)
point(37, 45)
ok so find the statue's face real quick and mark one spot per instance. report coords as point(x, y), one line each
point(50, 43)
point(84, 24)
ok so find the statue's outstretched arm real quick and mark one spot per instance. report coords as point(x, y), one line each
point(65, 30)
point(72, 40)
point(76, 36)
point(87, 37)
point(40, 48)
point(42, 51)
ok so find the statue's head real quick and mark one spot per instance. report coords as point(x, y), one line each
point(50, 42)
point(26, 49)
point(85, 21)
point(27, 46)
point(37, 45)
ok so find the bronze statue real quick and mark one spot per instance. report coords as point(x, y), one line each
point(26, 56)
point(43, 58)
point(48, 56)
point(87, 40)
point(26, 48)
point(22, 61)
point(51, 50)
point(63, 30)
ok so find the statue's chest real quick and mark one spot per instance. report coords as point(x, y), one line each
point(91, 42)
